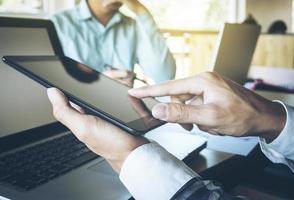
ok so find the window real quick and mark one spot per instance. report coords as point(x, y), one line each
point(33, 8)
point(191, 14)
point(23, 6)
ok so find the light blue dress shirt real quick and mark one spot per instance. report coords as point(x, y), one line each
point(122, 43)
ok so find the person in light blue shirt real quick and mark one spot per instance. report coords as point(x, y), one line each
point(97, 34)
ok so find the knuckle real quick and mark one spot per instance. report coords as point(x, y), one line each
point(178, 113)
point(175, 99)
point(185, 114)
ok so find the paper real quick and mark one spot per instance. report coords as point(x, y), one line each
point(176, 140)
point(233, 145)
point(3, 198)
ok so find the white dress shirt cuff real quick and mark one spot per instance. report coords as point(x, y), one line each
point(150, 172)
point(281, 149)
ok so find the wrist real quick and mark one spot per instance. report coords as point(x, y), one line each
point(117, 162)
point(272, 121)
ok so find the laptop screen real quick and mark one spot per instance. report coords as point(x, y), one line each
point(24, 104)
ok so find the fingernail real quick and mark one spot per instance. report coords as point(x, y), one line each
point(160, 111)
point(50, 92)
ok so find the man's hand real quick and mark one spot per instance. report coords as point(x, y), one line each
point(134, 5)
point(124, 76)
point(101, 137)
point(216, 105)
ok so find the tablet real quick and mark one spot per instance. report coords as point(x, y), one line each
point(91, 90)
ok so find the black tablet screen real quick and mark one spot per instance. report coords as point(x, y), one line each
point(91, 87)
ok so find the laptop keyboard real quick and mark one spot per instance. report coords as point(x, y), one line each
point(36, 165)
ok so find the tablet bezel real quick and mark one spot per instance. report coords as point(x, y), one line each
point(136, 127)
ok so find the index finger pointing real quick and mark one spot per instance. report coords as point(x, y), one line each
point(118, 74)
point(170, 88)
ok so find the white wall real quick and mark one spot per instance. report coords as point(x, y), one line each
point(267, 11)
point(51, 7)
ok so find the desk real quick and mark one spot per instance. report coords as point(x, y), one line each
point(286, 98)
point(228, 169)
point(207, 159)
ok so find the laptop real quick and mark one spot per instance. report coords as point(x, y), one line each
point(234, 51)
point(40, 158)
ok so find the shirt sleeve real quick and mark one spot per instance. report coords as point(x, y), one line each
point(202, 189)
point(281, 149)
point(151, 168)
point(150, 172)
point(153, 55)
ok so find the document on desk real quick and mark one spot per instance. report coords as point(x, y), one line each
point(176, 140)
point(233, 145)
point(3, 198)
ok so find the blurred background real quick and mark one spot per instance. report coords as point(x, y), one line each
point(191, 26)
point(191, 29)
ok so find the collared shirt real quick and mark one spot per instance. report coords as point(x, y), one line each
point(122, 43)
point(150, 172)
point(281, 150)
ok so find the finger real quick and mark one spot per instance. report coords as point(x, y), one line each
point(188, 127)
point(176, 99)
point(170, 88)
point(78, 108)
point(119, 74)
point(127, 81)
point(105, 3)
point(196, 101)
point(180, 113)
point(181, 98)
point(139, 106)
point(210, 130)
point(63, 112)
